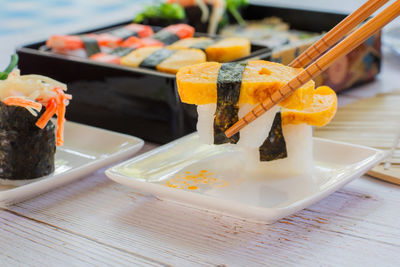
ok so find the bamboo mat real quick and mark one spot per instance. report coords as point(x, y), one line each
point(371, 122)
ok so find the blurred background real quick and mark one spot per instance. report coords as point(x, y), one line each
point(27, 21)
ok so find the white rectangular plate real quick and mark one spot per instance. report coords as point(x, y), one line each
point(263, 198)
point(85, 149)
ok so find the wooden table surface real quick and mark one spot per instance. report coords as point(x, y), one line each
point(96, 221)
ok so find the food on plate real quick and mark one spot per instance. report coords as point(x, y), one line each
point(28, 141)
point(163, 59)
point(193, 42)
point(172, 33)
point(92, 43)
point(272, 32)
point(127, 46)
point(280, 140)
point(111, 46)
point(227, 49)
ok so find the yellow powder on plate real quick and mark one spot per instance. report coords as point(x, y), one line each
point(191, 181)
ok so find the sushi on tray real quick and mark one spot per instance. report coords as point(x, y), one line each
point(136, 45)
point(86, 45)
point(222, 50)
point(28, 137)
point(279, 141)
point(129, 36)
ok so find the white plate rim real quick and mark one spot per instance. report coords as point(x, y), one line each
point(267, 215)
point(75, 173)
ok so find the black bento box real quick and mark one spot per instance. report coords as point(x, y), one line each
point(142, 102)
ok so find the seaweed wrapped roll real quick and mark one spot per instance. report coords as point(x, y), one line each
point(26, 151)
point(27, 136)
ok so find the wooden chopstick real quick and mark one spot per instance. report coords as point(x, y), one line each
point(338, 32)
point(341, 49)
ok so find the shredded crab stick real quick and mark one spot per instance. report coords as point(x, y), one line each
point(33, 92)
point(51, 109)
point(55, 106)
point(21, 102)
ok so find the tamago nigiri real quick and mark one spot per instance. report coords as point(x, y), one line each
point(279, 141)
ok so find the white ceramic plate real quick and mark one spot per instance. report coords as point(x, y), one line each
point(230, 190)
point(86, 149)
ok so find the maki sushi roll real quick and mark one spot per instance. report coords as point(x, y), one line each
point(224, 50)
point(163, 59)
point(27, 136)
point(279, 141)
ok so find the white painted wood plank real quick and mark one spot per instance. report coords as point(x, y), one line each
point(25, 242)
point(359, 223)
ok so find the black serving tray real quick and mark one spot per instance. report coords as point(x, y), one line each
point(135, 101)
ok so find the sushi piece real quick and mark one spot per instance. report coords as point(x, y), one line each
point(228, 49)
point(137, 30)
point(163, 59)
point(198, 84)
point(27, 136)
point(90, 44)
point(81, 46)
point(132, 43)
point(224, 50)
point(193, 42)
point(171, 34)
point(281, 135)
point(26, 151)
point(114, 56)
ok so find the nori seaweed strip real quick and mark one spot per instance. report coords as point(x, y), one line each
point(26, 151)
point(274, 147)
point(166, 37)
point(202, 45)
point(123, 33)
point(121, 51)
point(91, 45)
point(228, 92)
point(156, 58)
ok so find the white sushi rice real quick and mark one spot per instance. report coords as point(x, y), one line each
point(299, 145)
point(298, 139)
point(205, 122)
point(254, 134)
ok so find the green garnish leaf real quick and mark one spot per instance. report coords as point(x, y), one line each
point(161, 11)
point(13, 63)
point(233, 7)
